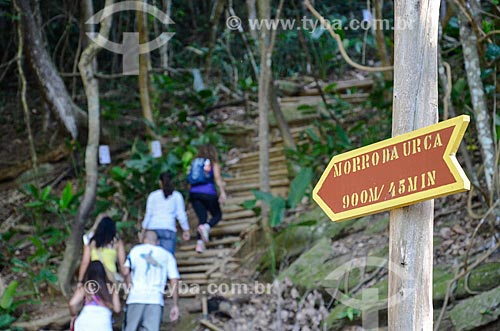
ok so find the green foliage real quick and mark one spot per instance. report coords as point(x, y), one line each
point(9, 302)
point(350, 313)
point(8, 295)
point(278, 205)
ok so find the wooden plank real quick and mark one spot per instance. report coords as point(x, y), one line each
point(226, 223)
point(195, 268)
point(253, 163)
point(208, 252)
point(224, 241)
point(249, 186)
point(238, 215)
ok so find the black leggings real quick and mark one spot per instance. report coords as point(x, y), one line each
point(203, 203)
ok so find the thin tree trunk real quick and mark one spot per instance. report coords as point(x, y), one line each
point(252, 16)
point(473, 71)
point(263, 105)
point(22, 78)
point(51, 85)
point(144, 73)
point(214, 19)
point(415, 103)
point(280, 119)
point(379, 36)
point(167, 6)
point(90, 83)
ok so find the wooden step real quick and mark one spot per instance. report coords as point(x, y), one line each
point(255, 154)
point(229, 230)
point(247, 221)
point(209, 252)
point(278, 190)
point(245, 176)
point(250, 186)
point(254, 164)
point(195, 268)
point(224, 241)
point(238, 215)
point(200, 259)
point(200, 276)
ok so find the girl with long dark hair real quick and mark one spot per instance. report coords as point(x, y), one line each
point(204, 197)
point(163, 207)
point(104, 246)
point(99, 301)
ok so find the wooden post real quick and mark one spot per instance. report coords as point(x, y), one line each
point(415, 104)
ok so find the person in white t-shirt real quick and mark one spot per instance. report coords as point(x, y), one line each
point(147, 269)
point(163, 208)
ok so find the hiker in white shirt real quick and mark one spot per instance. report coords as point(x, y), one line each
point(148, 267)
point(163, 208)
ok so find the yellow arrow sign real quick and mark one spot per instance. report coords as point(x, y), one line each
point(393, 173)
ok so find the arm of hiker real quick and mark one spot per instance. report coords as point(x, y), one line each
point(220, 183)
point(120, 249)
point(117, 307)
point(84, 264)
point(147, 216)
point(75, 302)
point(174, 311)
point(181, 216)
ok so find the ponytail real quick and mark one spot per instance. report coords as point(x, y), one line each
point(166, 183)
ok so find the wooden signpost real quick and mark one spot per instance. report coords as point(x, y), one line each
point(393, 173)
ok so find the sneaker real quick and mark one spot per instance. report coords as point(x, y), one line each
point(204, 230)
point(200, 246)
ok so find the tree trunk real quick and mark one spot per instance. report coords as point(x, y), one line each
point(415, 103)
point(167, 6)
point(481, 115)
point(147, 112)
point(280, 119)
point(252, 16)
point(51, 85)
point(90, 83)
point(263, 105)
point(379, 37)
point(24, 102)
point(214, 19)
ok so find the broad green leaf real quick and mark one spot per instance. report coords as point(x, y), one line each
point(34, 204)
point(278, 205)
point(6, 320)
point(343, 136)
point(118, 173)
point(66, 197)
point(264, 196)
point(8, 295)
point(304, 223)
point(330, 88)
point(249, 204)
point(45, 193)
point(45, 275)
point(350, 314)
point(299, 186)
point(310, 132)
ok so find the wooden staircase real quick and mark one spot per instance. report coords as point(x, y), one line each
point(219, 261)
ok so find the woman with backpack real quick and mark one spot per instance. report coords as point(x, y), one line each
point(104, 246)
point(98, 300)
point(163, 208)
point(204, 174)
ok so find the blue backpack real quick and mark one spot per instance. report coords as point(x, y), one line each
point(197, 174)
